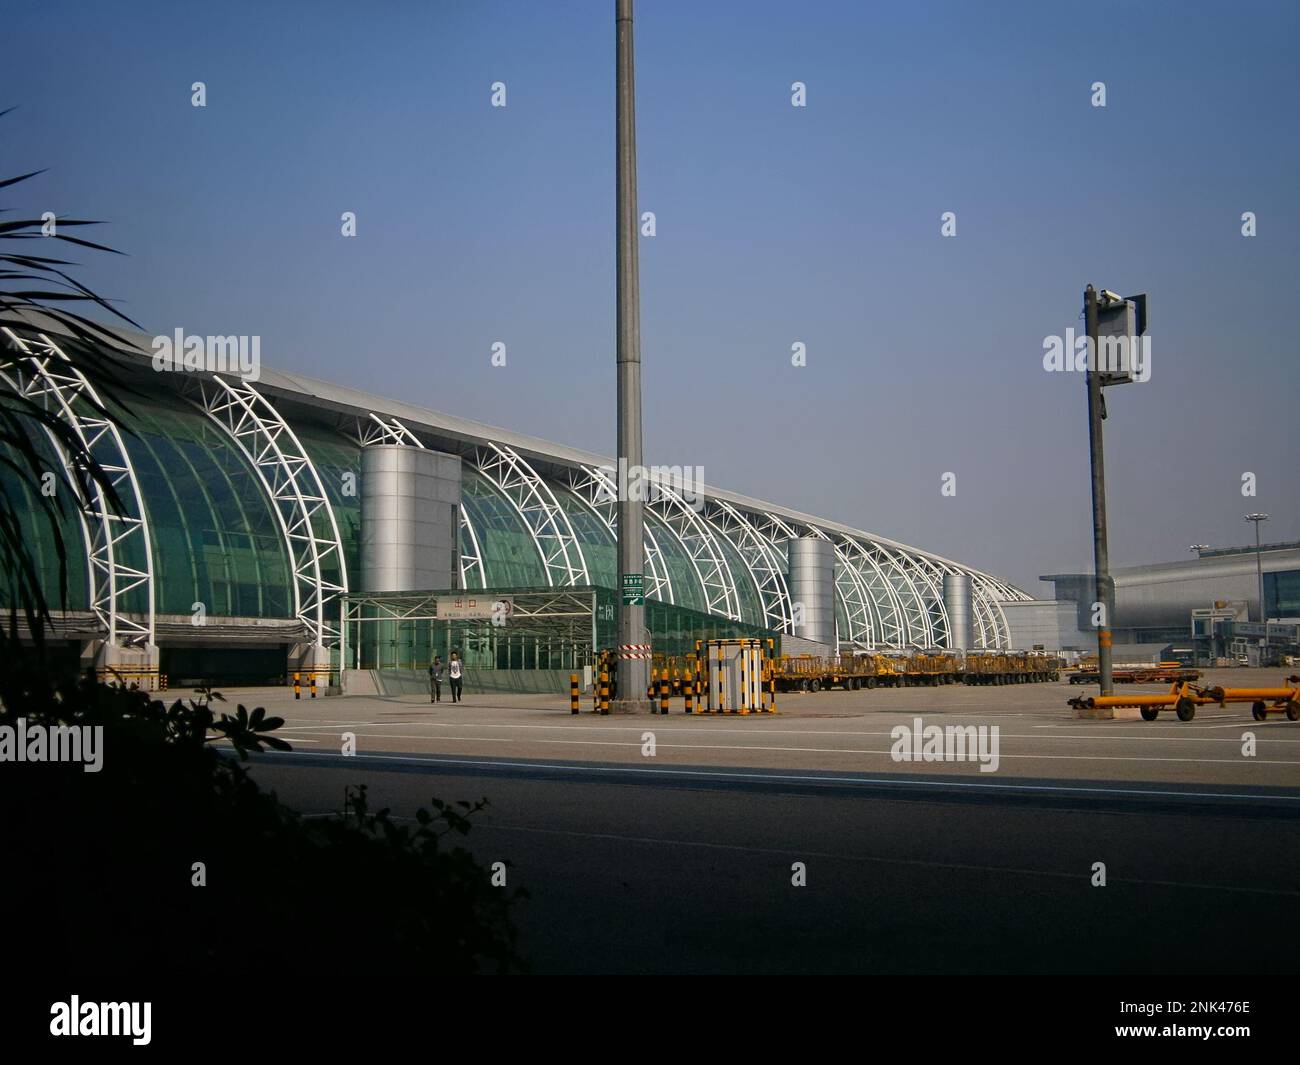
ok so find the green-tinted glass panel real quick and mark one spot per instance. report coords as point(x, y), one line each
point(216, 539)
point(39, 527)
point(510, 557)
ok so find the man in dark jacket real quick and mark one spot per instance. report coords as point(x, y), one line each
point(435, 680)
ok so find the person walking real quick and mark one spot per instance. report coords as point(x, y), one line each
point(454, 672)
point(435, 680)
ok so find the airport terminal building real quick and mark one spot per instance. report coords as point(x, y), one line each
point(1209, 604)
point(284, 523)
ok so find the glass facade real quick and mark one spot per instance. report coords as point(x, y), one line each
point(673, 629)
point(540, 638)
point(1282, 593)
point(219, 539)
point(510, 556)
point(216, 540)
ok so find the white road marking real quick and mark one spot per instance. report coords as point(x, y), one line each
point(768, 732)
point(636, 743)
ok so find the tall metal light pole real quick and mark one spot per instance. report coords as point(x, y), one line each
point(1259, 574)
point(633, 672)
point(1101, 559)
point(1196, 657)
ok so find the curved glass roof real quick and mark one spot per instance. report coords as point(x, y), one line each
point(216, 540)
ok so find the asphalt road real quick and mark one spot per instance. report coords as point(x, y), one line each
point(633, 869)
point(680, 857)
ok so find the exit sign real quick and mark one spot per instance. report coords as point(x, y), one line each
point(633, 589)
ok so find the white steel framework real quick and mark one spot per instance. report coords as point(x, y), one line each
point(699, 541)
point(374, 429)
point(40, 371)
point(292, 483)
point(920, 631)
point(932, 577)
point(765, 565)
point(543, 517)
point(884, 596)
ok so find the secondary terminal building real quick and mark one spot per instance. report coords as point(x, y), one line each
point(283, 523)
point(1209, 605)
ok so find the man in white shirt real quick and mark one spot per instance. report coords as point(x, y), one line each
point(454, 674)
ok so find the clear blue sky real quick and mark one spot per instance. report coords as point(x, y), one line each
point(775, 224)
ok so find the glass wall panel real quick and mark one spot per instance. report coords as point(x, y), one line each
point(216, 540)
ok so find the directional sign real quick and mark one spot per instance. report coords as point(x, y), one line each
point(471, 606)
point(633, 589)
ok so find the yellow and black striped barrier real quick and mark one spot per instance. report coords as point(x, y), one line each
point(146, 680)
point(297, 685)
point(573, 693)
point(604, 691)
point(744, 687)
point(665, 692)
point(756, 680)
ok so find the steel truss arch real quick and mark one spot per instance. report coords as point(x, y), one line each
point(984, 620)
point(920, 630)
point(699, 541)
point(42, 372)
point(984, 616)
point(932, 574)
point(979, 608)
point(1002, 590)
point(762, 560)
point(594, 487)
point(374, 429)
point(997, 620)
point(471, 554)
point(543, 517)
point(298, 497)
point(893, 617)
point(996, 591)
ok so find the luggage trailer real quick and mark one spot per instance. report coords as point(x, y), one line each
point(1183, 698)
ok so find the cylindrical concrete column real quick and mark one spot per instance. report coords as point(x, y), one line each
point(812, 587)
point(410, 500)
point(959, 605)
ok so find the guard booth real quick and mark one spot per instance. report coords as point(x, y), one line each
point(734, 677)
